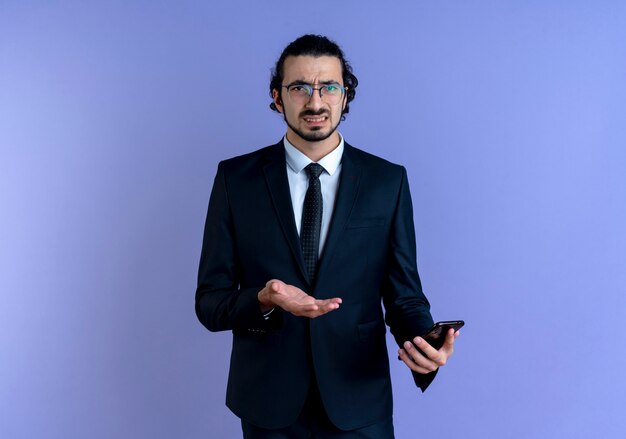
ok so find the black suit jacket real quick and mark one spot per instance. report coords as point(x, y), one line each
point(250, 237)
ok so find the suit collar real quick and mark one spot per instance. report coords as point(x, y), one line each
point(278, 186)
point(297, 160)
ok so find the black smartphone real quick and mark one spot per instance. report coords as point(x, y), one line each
point(436, 336)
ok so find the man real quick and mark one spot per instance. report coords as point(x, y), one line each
point(303, 240)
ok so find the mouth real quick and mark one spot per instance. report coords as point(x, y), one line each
point(315, 120)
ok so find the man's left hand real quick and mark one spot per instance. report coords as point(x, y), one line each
point(431, 359)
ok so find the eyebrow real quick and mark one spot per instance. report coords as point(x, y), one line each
point(300, 82)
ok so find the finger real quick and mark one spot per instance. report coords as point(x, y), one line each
point(450, 336)
point(406, 359)
point(319, 308)
point(334, 300)
point(419, 358)
point(427, 349)
point(327, 307)
point(448, 345)
point(324, 307)
point(307, 311)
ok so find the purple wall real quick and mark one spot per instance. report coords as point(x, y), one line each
point(509, 116)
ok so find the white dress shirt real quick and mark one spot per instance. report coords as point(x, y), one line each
point(299, 183)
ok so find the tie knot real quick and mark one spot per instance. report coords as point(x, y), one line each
point(314, 170)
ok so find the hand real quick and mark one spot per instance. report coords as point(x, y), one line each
point(432, 358)
point(294, 300)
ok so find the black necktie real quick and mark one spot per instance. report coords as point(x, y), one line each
point(312, 220)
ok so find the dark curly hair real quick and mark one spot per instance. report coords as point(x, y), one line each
point(314, 45)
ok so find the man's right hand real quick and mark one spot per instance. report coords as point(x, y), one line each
point(292, 299)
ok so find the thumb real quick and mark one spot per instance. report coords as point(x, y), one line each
point(274, 285)
point(450, 337)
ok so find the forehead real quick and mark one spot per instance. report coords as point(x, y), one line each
point(312, 69)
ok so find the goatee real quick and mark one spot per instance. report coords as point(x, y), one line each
point(315, 135)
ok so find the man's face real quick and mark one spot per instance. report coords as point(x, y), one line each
point(315, 119)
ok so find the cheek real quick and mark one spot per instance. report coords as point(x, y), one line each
point(340, 109)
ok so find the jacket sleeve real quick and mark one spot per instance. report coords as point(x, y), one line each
point(220, 302)
point(407, 309)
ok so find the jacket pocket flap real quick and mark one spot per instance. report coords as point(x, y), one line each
point(358, 223)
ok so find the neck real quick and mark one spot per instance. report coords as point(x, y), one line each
point(314, 150)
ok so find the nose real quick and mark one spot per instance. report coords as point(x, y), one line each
point(315, 101)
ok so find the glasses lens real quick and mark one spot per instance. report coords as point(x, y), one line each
point(332, 93)
point(299, 93)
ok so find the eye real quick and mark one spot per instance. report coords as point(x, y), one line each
point(332, 88)
point(300, 89)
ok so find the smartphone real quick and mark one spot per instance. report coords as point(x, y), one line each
point(436, 336)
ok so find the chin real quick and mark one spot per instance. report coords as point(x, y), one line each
point(316, 135)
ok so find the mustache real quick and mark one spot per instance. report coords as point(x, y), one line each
point(320, 112)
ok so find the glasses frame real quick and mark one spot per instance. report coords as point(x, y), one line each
point(318, 89)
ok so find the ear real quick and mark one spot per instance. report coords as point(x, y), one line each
point(277, 100)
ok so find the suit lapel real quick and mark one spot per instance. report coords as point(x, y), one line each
point(278, 186)
point(346, 197)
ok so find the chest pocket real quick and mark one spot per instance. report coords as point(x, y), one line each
point(361, 223)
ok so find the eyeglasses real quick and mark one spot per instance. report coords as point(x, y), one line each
point(329, 93)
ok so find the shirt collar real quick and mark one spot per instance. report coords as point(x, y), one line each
point(297, 160)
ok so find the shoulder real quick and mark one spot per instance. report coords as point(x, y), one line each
point(373, 163)
point(253, 160)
